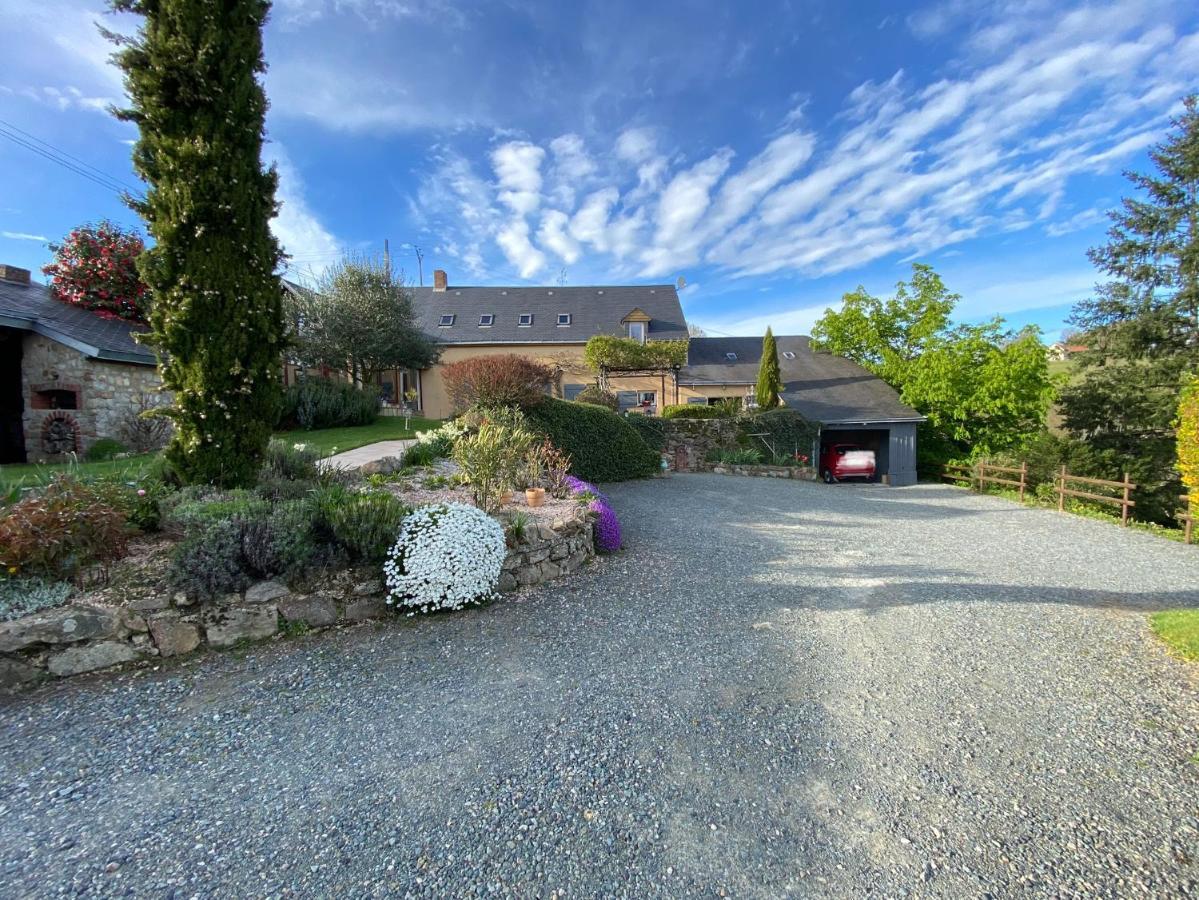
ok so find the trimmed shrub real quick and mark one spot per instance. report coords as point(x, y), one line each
point(602, 445)
point(61, 529)
point(651, 429)
point(321, 403)
point(694, 411)
point(446, 557)
point(105, 449)
point(504, 380)
point(593, 393)
point(208, 563)
point(365, 525)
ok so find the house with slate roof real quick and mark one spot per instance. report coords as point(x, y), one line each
point(67, 376)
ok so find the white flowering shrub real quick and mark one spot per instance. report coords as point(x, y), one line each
point(447, 556)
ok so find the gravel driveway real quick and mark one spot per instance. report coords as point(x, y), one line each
point(781, 688)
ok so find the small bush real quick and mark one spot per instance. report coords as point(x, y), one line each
point(694, 411)
point(366, 525)
point(425, 454)
point(607, 527)
point(504, 380)
point(282, 542)
point(105, 449)
point(190, 515)
point(321, 403)
point(209, 562)
point(293, 462)
point(651, 428)
point(593, 393)
point(276, 488)
point(446, 557)
point(143, 427)
point(491, 459)
point(602, 445)
point(746, 456)
point(61, 529)
point(22, 596)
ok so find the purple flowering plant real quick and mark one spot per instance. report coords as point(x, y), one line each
point(607, 526)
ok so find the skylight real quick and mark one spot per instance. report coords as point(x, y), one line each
point(525, 320)
point(788, 354)
point(731, 357)
point(563, 318)
point(445, 321)
point(486, 319)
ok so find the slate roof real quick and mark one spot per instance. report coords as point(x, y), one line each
point(820, 386)
point(593, 310)
point(31, 307)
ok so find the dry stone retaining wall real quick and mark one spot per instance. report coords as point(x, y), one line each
point(80, 638)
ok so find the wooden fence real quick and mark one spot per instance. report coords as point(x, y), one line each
point(983, 473)
point(1124, 501)
point(1186, 515)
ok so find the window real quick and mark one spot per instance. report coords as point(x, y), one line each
point(788, 354)
point(570, 391)
point(626, 399)
point(698, 401)
point(486, 320)
point(731, 357)
point(525, 320)
point(637, 331)
point(446, 321)
point(563, 318)
point(647, 400)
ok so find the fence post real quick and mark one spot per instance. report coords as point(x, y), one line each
point(1023, 478)
point(1124, 505)
point(1061, 491)
point(1186, 535)
point(977, 475)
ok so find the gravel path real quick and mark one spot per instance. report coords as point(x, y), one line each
point(782, 688)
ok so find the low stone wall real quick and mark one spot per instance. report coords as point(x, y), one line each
point(690, 441)
point(71, 640)
point(806, 473)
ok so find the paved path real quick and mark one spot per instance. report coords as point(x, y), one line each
point(780, 689)
point(360, 456)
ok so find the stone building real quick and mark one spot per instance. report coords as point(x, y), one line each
point(67, 376)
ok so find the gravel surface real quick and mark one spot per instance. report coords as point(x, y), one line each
point(781, 688)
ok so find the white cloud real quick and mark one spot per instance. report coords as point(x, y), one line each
point(513, 239)
point(636, 145)
point(518, 167)
point(553, 234)
point(24, 236)
point(297, 227)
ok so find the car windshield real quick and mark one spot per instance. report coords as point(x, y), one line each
point(848, 448)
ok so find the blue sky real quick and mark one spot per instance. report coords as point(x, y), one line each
point(776, 155)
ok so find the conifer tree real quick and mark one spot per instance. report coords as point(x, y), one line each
point(770, 380)
point(216, 320)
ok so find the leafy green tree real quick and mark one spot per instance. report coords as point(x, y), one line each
point(770, 380)
point(1188, 441)
point(1143, 325)
point(984, 389)
point(216, 319)
point(360, 321)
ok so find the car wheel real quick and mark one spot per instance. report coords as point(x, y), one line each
point(828, 477)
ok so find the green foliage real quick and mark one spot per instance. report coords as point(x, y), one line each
point(602, 445)
point(786, 432)
point(984, 389)
point(745, 456)
point(695, 411)
point(57, 531)
point(105, 449)
point(282, 541)
point(651, 428)
point(208, 563)
point(189, 515)
point(360, 320)
point(1188, 441)
point(366, 525)
point(518, 524)
point(216, 318)
point(1179, 628)
point(491, 459)
point(320, 403)
point(23, 596)
point(604, 351)
point(294, 462)
point(427, 453)
point(593, 393)
point(770, 378)
point(1141, 327)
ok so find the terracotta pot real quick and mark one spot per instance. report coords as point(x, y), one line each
point(506, 497)
point(535, 496)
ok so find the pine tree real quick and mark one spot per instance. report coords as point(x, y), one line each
point(1142, 328)
point(216, 317)
point(770, 380)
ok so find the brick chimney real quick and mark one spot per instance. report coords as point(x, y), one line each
point(13, 275)
point(439, 279)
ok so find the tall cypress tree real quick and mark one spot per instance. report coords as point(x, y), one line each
point(770, 379)
point(216, 316)
point(1142, 328)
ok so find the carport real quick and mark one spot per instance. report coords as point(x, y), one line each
point(893, 443)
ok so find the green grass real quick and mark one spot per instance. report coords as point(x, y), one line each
point(1179, 628)
point(386, 428)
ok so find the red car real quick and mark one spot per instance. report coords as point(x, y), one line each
point(841, 461)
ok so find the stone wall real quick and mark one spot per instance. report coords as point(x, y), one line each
point(689, 441)
point(79, 638)
point(103, 394)
point(806, 473)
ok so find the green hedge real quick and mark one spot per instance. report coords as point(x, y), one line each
point(786, 430)
point(651, 428)
point(693, 411)
point(602, 445)
point(320, 403)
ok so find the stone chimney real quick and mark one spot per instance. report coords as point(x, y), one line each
point(13, 275)
point(439, 279)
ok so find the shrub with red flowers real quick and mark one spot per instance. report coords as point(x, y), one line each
point(95, 267)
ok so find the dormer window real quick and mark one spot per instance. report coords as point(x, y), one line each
point(637, 331)
point(731, 357)
point(563, 318)
point(486, 320)
point(525, 320)
point(446, 321)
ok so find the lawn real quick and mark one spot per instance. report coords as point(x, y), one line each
point(1179, 628)
point(385, 428)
